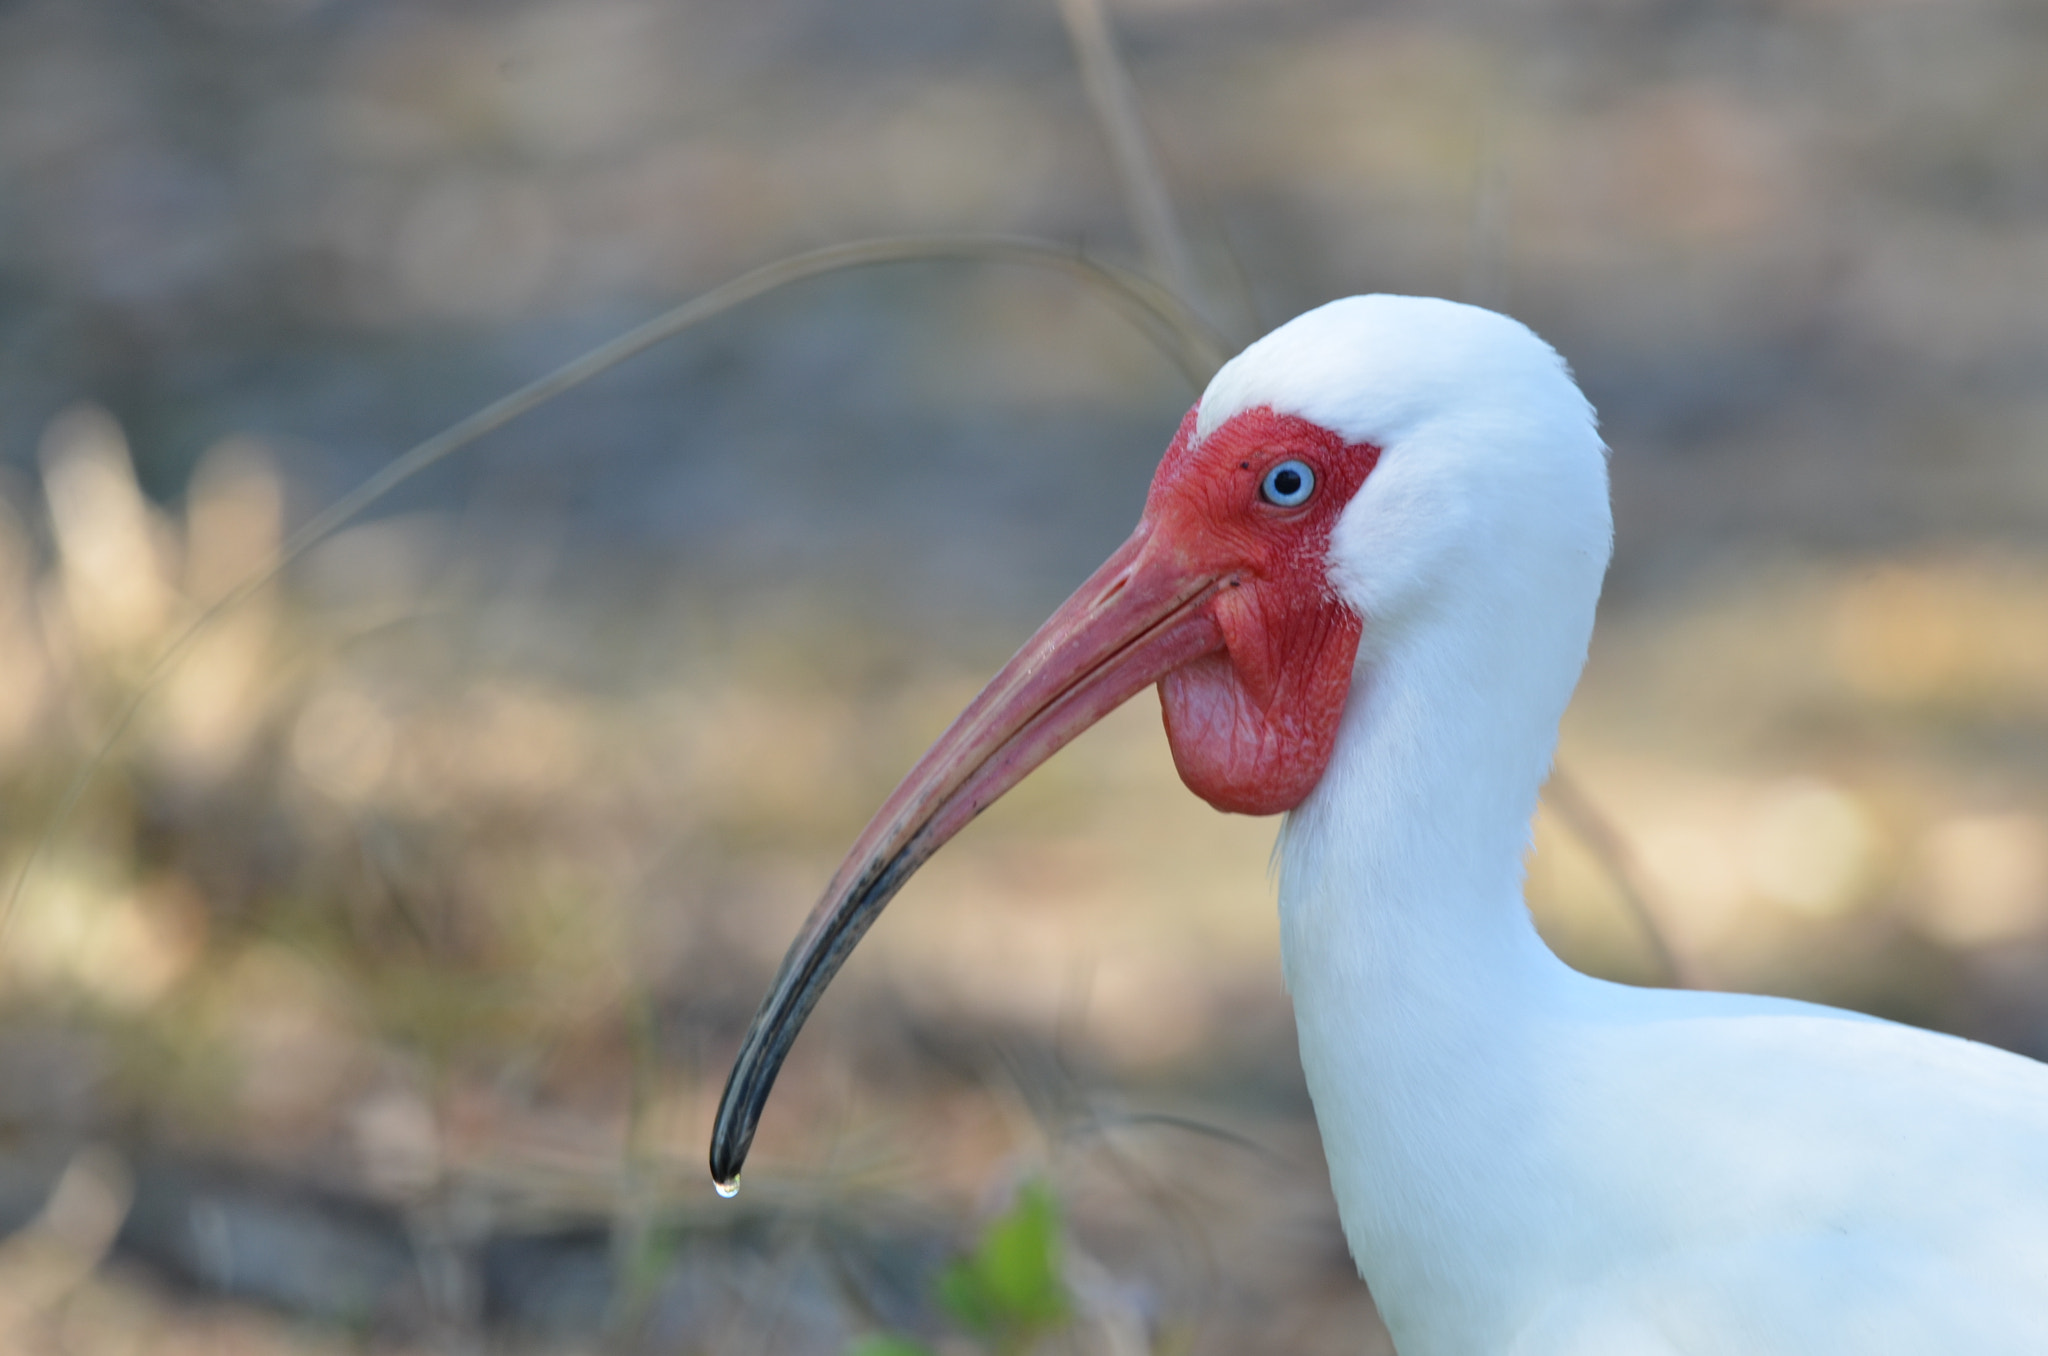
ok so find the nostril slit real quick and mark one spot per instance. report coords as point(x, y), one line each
point(1113, 590)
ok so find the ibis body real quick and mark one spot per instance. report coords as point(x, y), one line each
point(1365, 582)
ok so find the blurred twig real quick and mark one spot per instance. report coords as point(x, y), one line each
point(60, 1248)
point(1185, 337)
point(1486, 276)
point(1096, 1123)
point(1115, 101)
point(637, 1252)
point(1601, 838)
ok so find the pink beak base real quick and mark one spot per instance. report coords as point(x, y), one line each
point(1135, 620)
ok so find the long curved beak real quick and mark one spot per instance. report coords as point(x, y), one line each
point(1136, 619)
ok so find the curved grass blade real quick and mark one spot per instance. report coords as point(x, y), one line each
point(1194, 348)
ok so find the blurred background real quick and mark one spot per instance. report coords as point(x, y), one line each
point(375, 991)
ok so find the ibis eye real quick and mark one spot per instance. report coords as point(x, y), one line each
point(1288, 485)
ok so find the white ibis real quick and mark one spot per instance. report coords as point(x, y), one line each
point(1364, 581)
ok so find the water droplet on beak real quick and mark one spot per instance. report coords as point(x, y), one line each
point(727, 1190)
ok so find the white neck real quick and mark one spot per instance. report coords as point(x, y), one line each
point(1474, 552)
point(1413, 964)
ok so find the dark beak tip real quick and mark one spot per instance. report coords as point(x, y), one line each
point(726, 1161)
point(731, 1136)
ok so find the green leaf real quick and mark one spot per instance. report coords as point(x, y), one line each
point(884, 1344)
point(1010, 1287)
point(959, 1294)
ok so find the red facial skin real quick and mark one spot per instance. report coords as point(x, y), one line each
point(1252, 726)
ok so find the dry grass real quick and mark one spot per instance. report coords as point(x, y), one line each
point(375, 991)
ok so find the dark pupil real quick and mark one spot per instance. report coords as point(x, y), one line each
point(1286, 483)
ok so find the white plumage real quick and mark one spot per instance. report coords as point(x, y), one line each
point(1528, 1160)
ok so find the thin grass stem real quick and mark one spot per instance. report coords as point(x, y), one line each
point(1114, 98)
point(1188, 340)
point(1605, 842)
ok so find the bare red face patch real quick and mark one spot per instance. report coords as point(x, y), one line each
point(1254, 503)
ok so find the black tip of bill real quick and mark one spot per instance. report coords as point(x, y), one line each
point(828, 938)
